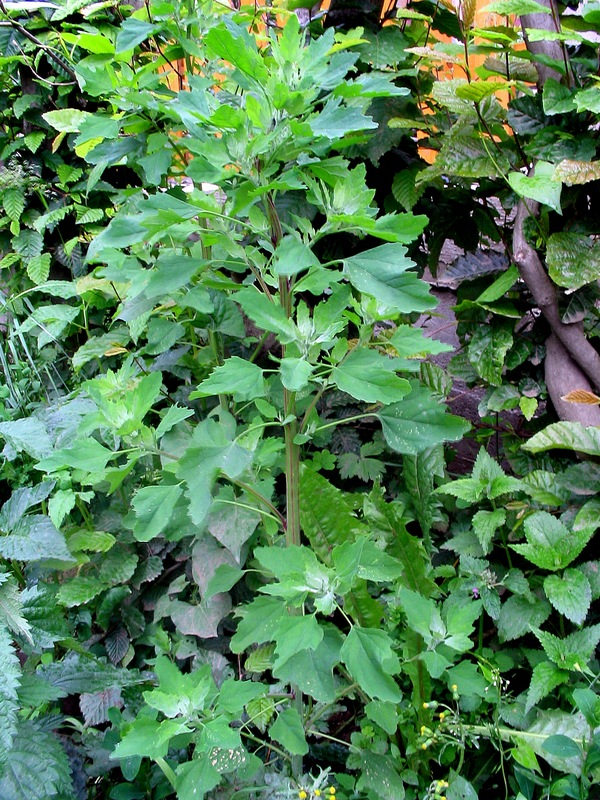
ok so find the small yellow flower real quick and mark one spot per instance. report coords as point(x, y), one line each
point(302, 795)
point(317, 793)
point(442, 716)
point(424, 746)
point(454, 687)
point(332, 790)
point(423, 729)
point(425, 705)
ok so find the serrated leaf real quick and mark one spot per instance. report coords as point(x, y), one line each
point(487, 351)
point(11, 614)
point(261, 711)
point(544, 679)
point(570, 594)
point(80, 590)
point(11, 673)
point(117, 644)
point(574, 651)
point(550, 545)
point(153, 506)
point(485, 525)
point(51, 777)
point(519, 614)
point(541, 187)
point(13, 201)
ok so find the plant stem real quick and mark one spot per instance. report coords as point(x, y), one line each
point(167, 771)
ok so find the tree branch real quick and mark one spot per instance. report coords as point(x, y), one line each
point(543, 291)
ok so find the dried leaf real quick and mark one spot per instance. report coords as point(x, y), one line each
point(582, 396)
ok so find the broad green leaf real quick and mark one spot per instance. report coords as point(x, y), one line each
point(460, 788)
point(336, 120)
point(557, 99)
point(544, 679)
point(293, 256)
point(518, 614)
point(231, 525)
point(570, 594)
point(80, 590)
point(312, 670)
point(295, 373)
point(295, 634)
point(541, 187)
point(237, 51)
point(13, 201)
point(382, 273)
point(267, 314)
point(573, 259)
point(86, 454)
point(153, 506)
point(588, 702)
point(34, 538)
point(566, 436)
point(11, 673)
point(259, 623)
point(561, 746)
point(237, 376)
point(133, 32)
point(369, 376)
point(500, 286)
point(370, 659)
point(487, 351)
point(173, 416)
point(383, 714)
point(379, 778)
point(29, 435)
point(147, 737)
point(588, 100)
point(419, 422)
point(550, 545)
point(288, 731)
point(326, 515)
point(66, 120)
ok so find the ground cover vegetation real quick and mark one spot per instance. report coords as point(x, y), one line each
point(235, 558)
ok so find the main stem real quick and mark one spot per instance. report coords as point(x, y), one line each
point(292, 452)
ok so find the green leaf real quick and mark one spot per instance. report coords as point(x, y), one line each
point(336, 120)
point(370, 659)
point(288, 731)
point(541, 187)
point(557, 99)
point(237, 376)
point(487, 351)
point(378, 777)
point(295, 373)
point(571, 594)
point(383, 714)
point(293, 256)
point(588, 702)
point(566, 436)
point(133, 32)
point(561, 746)
point(267, 314)
point(518, 614)
point(550, 545)
point(238, 51)
point(11, 673)
point(419, 422)
point(38, 766)
point(66, 120)
point(573, 259)
point(259, 623)
point(460, 788)
point(34, 538)
point(382, 273)
point(13, 201)
point(296, 634)
point(544, 679)
point(147, 737)
point(370, 376)
point(29, 435)
point(574, 651)
point(312, 670)
point(80, 590)
point(197, 777)
point(28, 244)
point(485, 525)
point(517, 7)
point(153, 506)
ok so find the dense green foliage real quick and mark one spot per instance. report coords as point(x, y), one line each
point(233, 561)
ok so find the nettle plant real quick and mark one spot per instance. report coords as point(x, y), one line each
point(195, 465)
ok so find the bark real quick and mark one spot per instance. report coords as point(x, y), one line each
point(572, 337)
point(563, 376)
point(554, 50)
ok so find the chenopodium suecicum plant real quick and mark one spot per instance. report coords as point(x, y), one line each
point(227, 299)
